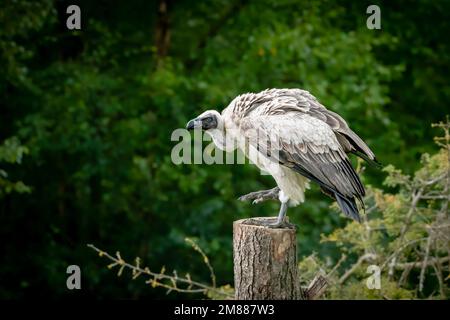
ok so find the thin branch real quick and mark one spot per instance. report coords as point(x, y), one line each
point(417, 264)
point(415, 198)
point(435, 197)
point(405, 274)
point(426, 183)
point(205, 260)
point(400, 249)
point(361, 259)
point(338, 264)
point(438, 269)
point(424, 264)
point(201, 288)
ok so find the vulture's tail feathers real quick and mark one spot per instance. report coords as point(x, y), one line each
point(348, 206)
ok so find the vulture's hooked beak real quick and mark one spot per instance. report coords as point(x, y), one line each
point(194, 124)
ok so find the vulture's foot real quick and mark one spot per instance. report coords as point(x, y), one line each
point(282, 224)
point(260, 196)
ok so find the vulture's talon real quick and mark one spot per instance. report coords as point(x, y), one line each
point(260, 196)
point(282, 225)
point(286, 225)
point(257, 200)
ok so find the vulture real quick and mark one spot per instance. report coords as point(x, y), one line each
point(289, 134)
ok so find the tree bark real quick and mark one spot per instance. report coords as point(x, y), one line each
point(265, 261)
point(162, 37)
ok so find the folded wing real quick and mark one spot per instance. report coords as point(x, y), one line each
point(308, 146)
point(301, 101)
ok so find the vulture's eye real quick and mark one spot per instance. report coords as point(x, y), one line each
point(209, 122)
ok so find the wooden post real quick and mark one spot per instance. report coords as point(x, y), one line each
point(265, 261)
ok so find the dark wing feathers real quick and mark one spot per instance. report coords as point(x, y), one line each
point(329, 168)
point(337, 179)
point(349, 140)
point(349, 207)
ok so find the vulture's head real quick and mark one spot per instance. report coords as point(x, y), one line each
point(208, 120)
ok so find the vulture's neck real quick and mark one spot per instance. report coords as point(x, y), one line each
point(222, 140)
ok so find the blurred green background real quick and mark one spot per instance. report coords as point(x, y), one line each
point(86, 120)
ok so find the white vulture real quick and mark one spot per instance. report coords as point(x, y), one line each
point(290, 135)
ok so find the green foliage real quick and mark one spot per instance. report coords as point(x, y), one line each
point(404, 233)
point(11, 151)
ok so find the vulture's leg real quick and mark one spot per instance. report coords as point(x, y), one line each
point(259, 196)
point(281, 216)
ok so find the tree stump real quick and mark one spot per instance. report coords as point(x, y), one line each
point(265, 261)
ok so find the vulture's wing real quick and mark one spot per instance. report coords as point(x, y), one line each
point(308, 146)
point(308, 104)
